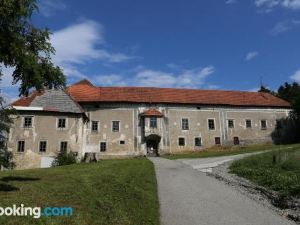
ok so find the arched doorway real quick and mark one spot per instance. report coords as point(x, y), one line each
point(152, 143)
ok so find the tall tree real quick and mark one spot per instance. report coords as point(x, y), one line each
point(28, 50)
point(26, 47)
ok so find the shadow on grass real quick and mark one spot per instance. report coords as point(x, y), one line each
point(7, 188)
point(15, 178)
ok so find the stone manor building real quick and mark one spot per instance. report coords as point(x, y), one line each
point(134, 121)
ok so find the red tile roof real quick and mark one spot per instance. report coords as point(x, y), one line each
point(84, 91)
point(152, 112)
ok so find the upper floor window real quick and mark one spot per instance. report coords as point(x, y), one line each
point(27, 121)
point(230, 124)
point(198, 141)
point(263, 124)
point(248, 124)
point(21, 146)
point(153, 122)
point(43, 146)
point(211, 124)
point(95, 126)
point(61, 123)
point(181, 141)
point(185, 124)
point(115, 126)
point(63, 146)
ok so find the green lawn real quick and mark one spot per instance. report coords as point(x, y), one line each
point(109, 192)
point(214, 152)
point(276, 170)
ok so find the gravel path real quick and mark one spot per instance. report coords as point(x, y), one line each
point(190, 197)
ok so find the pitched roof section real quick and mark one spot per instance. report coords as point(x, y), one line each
point(50, 100)
point(152, 112)
point(84, 92)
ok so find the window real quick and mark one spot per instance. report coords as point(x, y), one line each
point(181, 141)
point(217, 140)
point(185, 124)
point(197, 141)
point(102, 146)
point(153, 122)
point(122, 142)
point(263, 124)
point(230, 124)
point(21, 146)
point(43, 146)
point(248, 124)
point(27, 121)
point(63, 146)
point(61, 123)
point(211, 124)
point(95, 126)
point(236, 141)
point(115, 126)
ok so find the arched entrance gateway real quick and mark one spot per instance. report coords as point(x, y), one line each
point(152, 144)
point(151, 126)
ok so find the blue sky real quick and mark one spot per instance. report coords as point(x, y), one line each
point(208, 44)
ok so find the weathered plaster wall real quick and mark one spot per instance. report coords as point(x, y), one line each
point(44, 128)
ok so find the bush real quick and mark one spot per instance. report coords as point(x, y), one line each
point(64, 158)
point(287, 131)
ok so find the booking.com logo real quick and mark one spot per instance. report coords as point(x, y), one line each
point(35, 212)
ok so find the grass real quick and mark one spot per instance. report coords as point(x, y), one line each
point(221, 151)
point(276, 170)
point(109, 192)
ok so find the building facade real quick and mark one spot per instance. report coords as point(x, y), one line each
point(130, 121)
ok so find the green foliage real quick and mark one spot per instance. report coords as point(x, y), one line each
point(277, 170)
point(111, 192)
point(264, 89)
point(286, 131)
point(5, 122)
point(64, 158)
point(26, 48)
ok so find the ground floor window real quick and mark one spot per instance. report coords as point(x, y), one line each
point(63, 146)
point(236, 141)
point(103, 146)
point(21, 146)
point(198, 141)
point(217, 140)
point(122, 142)
point(43, 146)
point(181, 141)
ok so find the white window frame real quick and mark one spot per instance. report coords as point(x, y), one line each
point(188, 123)
point(233, 123)
point(40, 146)
point(18, 146)
point(119, 126)
point(66, 123)
point(60, 145)
point(98, 126)
point(150, 122)
point(106, 146)
point(250, 123)
point(214, 119)
point(265, 128)
point(23, 122)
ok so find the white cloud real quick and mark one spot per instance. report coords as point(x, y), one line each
point(230, 1)
point(284, 26)
point(194, 78)
point(49, 7)
point(251, 55)
point(296, 76)
point(269, 5)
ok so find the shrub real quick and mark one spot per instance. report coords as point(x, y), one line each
point(64, 158)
